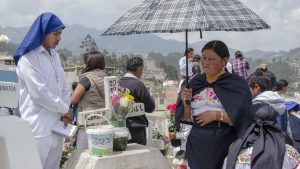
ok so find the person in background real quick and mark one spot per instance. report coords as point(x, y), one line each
point(44, 93)
point(196, 62)
point(89, 93)
point(282, 87)
point(229, 67)
point(240, 65)
point(182, 67)
point(182, 62)
point(180, 159)
point(264, 145)
point(264, 67)
point(219, 109)
point(179, 139)
point(261, 89)
point(293, 122)
point(131, 80)
point(264, 141)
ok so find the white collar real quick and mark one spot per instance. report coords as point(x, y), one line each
point(41, 49)
point(128, 74)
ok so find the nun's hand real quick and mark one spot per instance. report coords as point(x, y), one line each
point(206, 117)
point(186, 94)
point(67, 119)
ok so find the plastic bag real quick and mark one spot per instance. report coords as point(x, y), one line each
point(121, 137)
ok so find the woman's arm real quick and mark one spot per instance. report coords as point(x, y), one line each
point(210, 116)
point(77, 94)
point(226, 119)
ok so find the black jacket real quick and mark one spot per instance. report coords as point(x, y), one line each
point(141, 95)
point(265, 137)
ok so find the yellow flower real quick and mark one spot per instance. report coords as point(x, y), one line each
point(128, 96)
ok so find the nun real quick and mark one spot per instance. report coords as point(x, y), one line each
point(44, 94)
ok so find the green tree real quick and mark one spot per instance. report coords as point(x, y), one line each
point(89, 44)
point(282, 70)
point(171, 72)
point(65, 56)
point(163, 65)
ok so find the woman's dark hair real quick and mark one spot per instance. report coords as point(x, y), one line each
point(134, 63)
point(279, 85)
point(219, 47)
point(93, 60)
point(265, 112)
point(261, 79)
point(188, 51)
point(285, 83)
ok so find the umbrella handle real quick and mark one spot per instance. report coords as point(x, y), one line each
point(188, 102)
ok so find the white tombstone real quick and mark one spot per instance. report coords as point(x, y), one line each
point(16, 138)
point(137, 109)
point(9, 93)
point(17, 146)
point(82, 116)
point(110, 85)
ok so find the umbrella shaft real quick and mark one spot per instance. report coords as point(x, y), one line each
point(186, 57)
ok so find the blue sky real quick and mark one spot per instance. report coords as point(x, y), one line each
point(282, 15)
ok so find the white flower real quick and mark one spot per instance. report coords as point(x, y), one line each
point(124, 102)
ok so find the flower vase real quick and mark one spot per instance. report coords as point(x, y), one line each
point(117, 119)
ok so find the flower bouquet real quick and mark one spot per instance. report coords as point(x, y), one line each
point(171, 117)
point(122, 102)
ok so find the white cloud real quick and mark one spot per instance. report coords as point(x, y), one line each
point(282, 15)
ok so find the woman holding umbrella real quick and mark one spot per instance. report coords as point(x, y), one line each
point(219, 109)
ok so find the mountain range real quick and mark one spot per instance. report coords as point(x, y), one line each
point(138, 44)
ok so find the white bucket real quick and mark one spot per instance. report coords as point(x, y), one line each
point(100, 139)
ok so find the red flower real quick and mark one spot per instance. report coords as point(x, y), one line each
point(172, 108)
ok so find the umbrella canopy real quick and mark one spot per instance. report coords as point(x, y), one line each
point(159, 16)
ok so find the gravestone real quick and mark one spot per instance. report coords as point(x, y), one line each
point(137, 109)
point(14, 146)
point(110, 85)
point(83, 116)
point(9, 93)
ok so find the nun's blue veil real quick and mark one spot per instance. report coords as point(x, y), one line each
point(44, 24)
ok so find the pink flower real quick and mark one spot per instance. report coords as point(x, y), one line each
point(197, 97)
point(114, 100)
